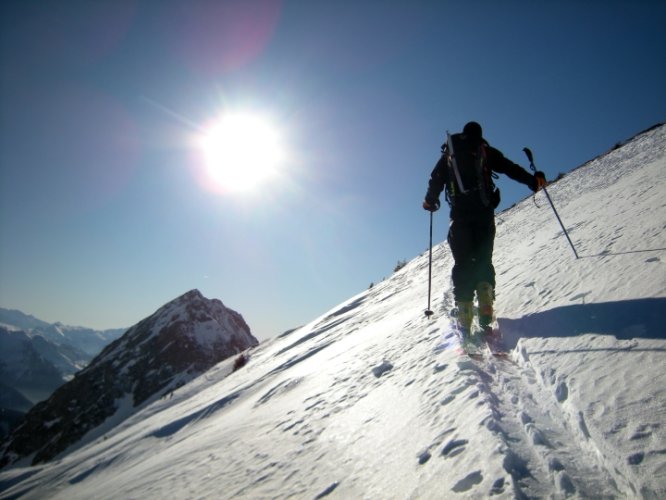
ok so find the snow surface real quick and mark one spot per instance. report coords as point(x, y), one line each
point(367, 402)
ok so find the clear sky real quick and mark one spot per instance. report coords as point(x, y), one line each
point(107, 209)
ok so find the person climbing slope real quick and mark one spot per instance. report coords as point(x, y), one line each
point(466, 170)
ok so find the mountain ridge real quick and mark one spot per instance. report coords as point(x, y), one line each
point(181, 340)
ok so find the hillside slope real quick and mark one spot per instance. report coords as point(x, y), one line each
point(373, 400)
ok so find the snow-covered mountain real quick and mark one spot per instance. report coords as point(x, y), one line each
point(24, 368)
point(18, 320)
point(178, 342)
point(36, 357)
point(88, 340)
point(373, 400)
point(33, 350)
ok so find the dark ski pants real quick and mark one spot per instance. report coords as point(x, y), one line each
point(471, 239)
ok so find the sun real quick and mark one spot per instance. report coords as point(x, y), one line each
point(241, 151)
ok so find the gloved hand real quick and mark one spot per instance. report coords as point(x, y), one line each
point(431, 204)
point(539, 181)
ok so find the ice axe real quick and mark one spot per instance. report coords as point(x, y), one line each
point(530, 157)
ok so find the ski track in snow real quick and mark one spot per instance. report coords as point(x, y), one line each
point(541, 451)
point(372, 400)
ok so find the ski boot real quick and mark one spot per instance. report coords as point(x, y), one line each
point(464, 317)
point(491, 335)
point(486, 296)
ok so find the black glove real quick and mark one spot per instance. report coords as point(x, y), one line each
point(539, 181)
point(431, 204)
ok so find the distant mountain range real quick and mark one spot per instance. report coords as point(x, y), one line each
point(37, 357)
point(181, 340)
point(88, 340)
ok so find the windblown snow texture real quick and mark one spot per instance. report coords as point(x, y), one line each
point(360, 403)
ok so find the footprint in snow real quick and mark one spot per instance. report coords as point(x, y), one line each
point(562, 392)
point(468, 482)
point(636, 458)
point(643, 431)
point(424, 457)
point(441, 367)
point(454, 447)
point(380, 370)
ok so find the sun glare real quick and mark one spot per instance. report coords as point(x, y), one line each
point(241, 151)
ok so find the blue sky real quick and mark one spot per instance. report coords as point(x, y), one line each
point(104, 213)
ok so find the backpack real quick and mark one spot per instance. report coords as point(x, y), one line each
point(470, 186)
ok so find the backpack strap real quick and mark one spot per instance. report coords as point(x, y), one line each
point(453, 164)
point(483, 175)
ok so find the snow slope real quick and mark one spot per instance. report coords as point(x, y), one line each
point(367, 402)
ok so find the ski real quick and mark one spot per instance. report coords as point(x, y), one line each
point(495, 345)
point(482, 344)
point(478, 344)
point(469, 344)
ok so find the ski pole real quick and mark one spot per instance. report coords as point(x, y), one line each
point(428, 312)
point(528, 153)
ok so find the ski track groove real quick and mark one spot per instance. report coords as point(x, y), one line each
point(544, 449)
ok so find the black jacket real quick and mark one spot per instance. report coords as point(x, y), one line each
point(496, 161)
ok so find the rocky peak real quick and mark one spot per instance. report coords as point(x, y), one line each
point(181, 340)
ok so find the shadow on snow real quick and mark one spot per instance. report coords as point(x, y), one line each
point(625, 320)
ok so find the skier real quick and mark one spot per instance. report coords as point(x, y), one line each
point(465, 169)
